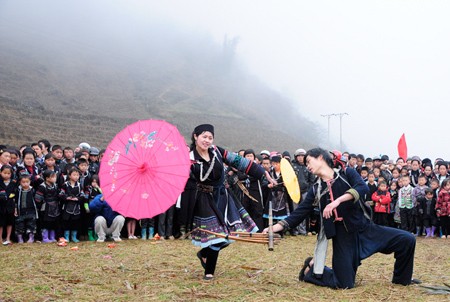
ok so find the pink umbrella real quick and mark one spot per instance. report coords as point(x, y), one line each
point(144, 169)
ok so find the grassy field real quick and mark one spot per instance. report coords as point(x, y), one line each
point(169, 271)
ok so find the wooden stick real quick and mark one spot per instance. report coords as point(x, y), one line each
point(270, 227)
point(235, 238)
point(255, 235)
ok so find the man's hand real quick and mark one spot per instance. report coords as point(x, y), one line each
point(328, 211)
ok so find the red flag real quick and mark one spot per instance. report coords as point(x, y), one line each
point(402, 148)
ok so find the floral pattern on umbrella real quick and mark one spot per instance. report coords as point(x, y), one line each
point(145, 169)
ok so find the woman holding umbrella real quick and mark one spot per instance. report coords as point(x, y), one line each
point(214, 208)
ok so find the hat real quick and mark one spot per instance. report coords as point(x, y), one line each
point(391, 162)
point(299, 152)
point(266, 152)
point(94, 151)
point(85, 146)
point(286, 154)
point(416, 158)
point(203, 128)
point(376, 158)
point(384, 157)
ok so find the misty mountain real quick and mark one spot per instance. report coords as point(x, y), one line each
point(73, 75)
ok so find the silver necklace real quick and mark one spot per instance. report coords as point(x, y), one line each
point(203, 178)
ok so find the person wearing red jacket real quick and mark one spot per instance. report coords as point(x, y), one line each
point(382, 200)
point(443, 207)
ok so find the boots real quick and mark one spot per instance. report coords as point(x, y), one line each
point(51, 236)
point(91, 235)
point(151, 232)
point(19, 238)
point(433, 229)
point(418, 231)
point(144, 234)
point(30, 238)
point(428, 230)
point(45, 236)
point(74, 236)
point(67, 235)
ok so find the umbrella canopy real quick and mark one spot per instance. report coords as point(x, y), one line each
point(290, 180)
point(144, 169)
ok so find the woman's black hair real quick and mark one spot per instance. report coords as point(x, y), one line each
point(28, 151)
point(316, 152)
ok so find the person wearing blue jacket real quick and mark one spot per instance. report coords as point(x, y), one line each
point(107, 221)
point(346, 221)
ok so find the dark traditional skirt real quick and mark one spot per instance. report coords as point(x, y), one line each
point(223, 217)
point(280, 207)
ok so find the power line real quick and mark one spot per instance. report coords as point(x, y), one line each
point(341, 115)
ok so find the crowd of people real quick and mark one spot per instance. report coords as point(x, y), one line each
point(49, 191)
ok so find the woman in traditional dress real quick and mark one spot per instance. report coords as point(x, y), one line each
point(278, 194)
point(215, 210)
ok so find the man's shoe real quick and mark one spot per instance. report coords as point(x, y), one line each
point(416, 281)
point(117, 239)
point(101, 239)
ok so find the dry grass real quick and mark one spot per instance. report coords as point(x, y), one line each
point(169, 271)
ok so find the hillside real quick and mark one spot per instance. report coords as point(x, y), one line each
point(85, 84)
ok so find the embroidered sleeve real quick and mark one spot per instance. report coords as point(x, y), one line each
point(355, 194)
point(242, 164)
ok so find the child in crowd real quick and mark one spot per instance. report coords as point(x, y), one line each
point(395, 174)
point(404, 172)
point(393, 190)
point(443, 207)
point(369, 163)
point(373, 186)
point(364, 173)
point(72, 197)
point(131, 228)
point(428, 210)
point(5, 157)
point(47, 199)
point(93, 190)
point(165, 224)
point(39, 156)
point(7, 192)
point(14, 162)
point(30, 168)
point(417, 194)
point(382, 200)
point(50, 164)
point(376, 173)
point(406, 205)
point(25, 210)
point(147, 228)
point(434, 185)
point(85, 176)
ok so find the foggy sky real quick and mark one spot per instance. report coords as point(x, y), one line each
point(385, 63)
